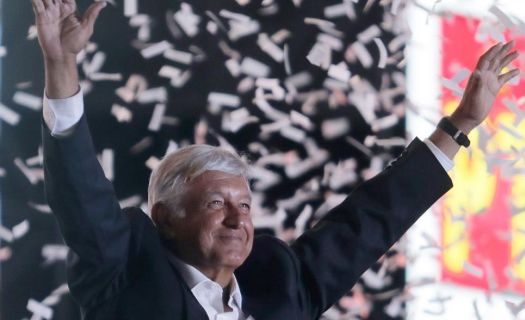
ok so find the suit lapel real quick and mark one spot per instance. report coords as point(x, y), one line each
point(191, 307)
point(244, 309)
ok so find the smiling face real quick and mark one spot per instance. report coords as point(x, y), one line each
point(216, 232)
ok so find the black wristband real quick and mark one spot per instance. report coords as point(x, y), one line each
point(454, 132)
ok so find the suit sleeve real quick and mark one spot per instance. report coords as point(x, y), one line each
point(351, 237)
point(88, 214)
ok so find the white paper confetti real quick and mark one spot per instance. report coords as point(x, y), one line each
point(178, 56)
point(301, 120)
point(335, 128)
point(263, 178)
point(237, 119)
point(130, 7)
point(369, 34)
point(334, 43)
point(155, 49)
point(473, 270)
point(33, 175)
point(320, 55)
point(40, 310)
point(8, 115)
point(6, 234)
point(28, 100)
point(43, 208)
point(293, 133)
point(95, 64)
point(345, 8)
point(32, 33)
point(502, 17)
point(269, 111)
point(266, 45)
point(242, 28)
point(340, 72)
point(385, 122)
point(54, 252)
point(362, 54)
point(383, 53)
point(134, 85)
point(217, 100)
point(152, 163)
point(101, 76)
point(187, 20)
point(5, 254)
point(254, 68)
point(20, 229)
point(159, 94)
point(106, 159)
point(121, 113)
point(156, 118)
point(277, 92)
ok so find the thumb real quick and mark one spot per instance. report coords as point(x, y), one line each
point(91, 14)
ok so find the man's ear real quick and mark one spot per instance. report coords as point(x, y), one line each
point(163, 217)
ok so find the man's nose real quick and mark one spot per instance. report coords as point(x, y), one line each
point(235, 217)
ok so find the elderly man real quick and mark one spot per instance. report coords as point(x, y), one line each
point(198, 258)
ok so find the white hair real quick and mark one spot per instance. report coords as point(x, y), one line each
point(168, 181)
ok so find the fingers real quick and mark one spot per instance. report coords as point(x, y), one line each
point(509, 45)
point(494, 56)
point(504, 78)
point(91, 14)
point(486, 58)
point(506, 60)
point(49, 3)
point(496, 62)
point(38, 6)
point(70, 3)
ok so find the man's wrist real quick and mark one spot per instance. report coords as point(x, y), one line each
point(65, 60)
point(61, 78)
point(462, 123)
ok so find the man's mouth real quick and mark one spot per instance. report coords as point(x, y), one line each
point(231, 237)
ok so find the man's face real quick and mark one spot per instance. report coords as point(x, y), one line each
point(217, 230)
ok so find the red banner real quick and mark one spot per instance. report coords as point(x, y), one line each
point(483, 217)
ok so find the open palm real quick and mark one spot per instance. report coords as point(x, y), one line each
point(61, 32)
point(486, 82)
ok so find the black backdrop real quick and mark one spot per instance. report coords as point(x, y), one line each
point(25, 273)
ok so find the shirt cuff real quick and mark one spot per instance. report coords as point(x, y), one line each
point(445, 161)
point(61, 115)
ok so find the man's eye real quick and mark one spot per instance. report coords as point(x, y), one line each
point(245, 206)
point(216, 203)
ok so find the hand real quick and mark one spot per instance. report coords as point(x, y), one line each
point(483, 86)
point(62, 34)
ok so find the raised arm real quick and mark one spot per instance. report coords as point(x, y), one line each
point(346, 242)
point(81, 198)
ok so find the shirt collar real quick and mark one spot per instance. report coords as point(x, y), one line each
point(193, 278)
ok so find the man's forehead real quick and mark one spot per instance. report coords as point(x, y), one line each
point(214, 180)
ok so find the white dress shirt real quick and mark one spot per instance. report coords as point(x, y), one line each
point(209, 293)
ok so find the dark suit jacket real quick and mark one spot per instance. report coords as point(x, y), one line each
point(118, 268)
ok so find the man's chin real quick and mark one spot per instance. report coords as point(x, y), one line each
point(233, 259)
